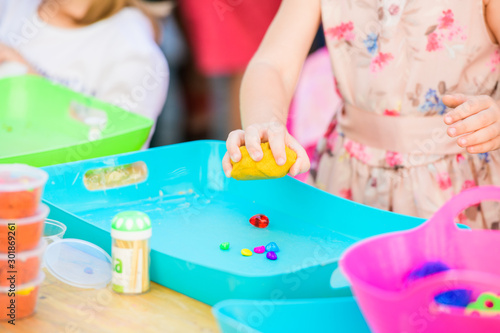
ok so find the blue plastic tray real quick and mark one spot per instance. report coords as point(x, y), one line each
point(339, 315)
point(194, 208)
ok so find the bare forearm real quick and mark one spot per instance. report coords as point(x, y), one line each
point(269, 83)
point(271, 76)
point(264, 97)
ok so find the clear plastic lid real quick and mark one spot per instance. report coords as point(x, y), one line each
point(41, 213)
point(25, 255)
point(78, 263)
point(26, 288)
point(21, 177)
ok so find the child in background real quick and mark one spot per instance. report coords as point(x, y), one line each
point(421, 117)
point(171, 124)
point(102, 48)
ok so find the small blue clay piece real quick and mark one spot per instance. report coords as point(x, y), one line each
point(429, 268)
point(453, 297)
point(272, 247)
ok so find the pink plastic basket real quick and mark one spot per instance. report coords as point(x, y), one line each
point(378, 267)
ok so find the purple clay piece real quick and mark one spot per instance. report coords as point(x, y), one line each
point(259, 249)
point(271, 255)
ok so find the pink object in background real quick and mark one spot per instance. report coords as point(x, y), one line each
point(224, 34)
point(315, 102)
point(378, 268)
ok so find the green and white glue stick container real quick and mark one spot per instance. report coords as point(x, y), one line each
point(131, 232)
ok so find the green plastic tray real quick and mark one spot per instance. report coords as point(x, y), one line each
point(42, 123)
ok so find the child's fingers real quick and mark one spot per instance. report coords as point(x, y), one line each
point(473, 123)
point(276, 138)
point(234, 141)
point(302, 164)
point(479, 137)
point(485, 147)
point(226, 165)
point(471, 106)
point(7, 54)
point(252, 142)
point(452, 101)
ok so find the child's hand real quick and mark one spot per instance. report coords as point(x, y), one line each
point(478, 117)
point(277, 136)
point(8, 54)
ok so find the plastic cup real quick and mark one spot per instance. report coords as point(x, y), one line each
point(25, 233)
point(53, 230)
point(26, 265)
point(25, 297)
point(21, 189)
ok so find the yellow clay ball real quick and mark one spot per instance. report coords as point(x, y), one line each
point(248, 169)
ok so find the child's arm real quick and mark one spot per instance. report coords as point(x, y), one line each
point(477, 116)
point(492, 14)
point(8, 54)
point(269, 84)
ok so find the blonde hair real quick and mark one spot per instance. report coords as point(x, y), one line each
point(101, 9)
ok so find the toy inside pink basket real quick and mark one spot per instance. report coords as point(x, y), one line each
point(434, 278)
point(315, 102)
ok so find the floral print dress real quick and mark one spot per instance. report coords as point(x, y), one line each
point(397, 58)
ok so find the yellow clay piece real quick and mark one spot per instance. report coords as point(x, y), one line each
point(246, 252)
point(26, 292)
point(248, 169)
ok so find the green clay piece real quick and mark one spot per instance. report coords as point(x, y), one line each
point(224, 246)
point(131, 221)
point(486, 303)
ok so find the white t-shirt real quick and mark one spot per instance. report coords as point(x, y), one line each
point(115, 59)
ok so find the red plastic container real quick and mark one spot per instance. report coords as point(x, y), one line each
point(21, 189)
point(26, 265)
point(25, 233)
point(24, 298)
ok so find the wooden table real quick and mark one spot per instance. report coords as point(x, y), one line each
point(66, 309)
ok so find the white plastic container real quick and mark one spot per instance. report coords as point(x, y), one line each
point(131, 232)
